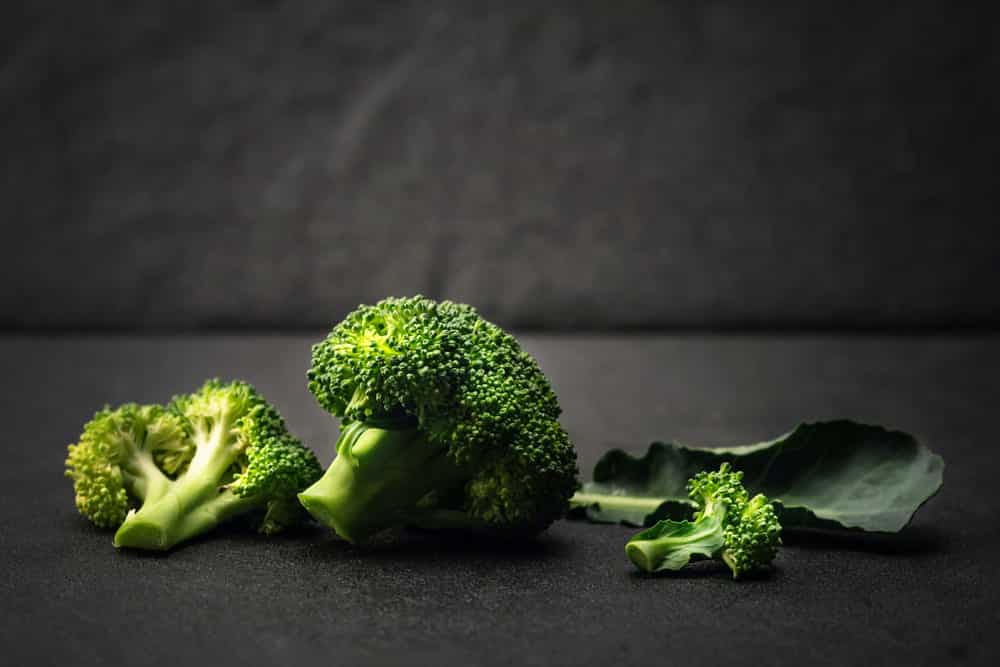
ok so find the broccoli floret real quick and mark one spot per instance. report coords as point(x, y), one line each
point(446, 424)
point(742, 532)
point(209, 456)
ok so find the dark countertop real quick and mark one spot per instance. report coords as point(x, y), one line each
point(927, 596)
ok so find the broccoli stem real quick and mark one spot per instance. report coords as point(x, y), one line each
point(142, 477)
point(612, 502)
point(377, 479)
point(192, 504)
point(190, 507)
point(145, 481)
point(670, 545)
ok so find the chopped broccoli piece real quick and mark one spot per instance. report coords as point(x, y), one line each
point(206, 457)
point(742, 532)
point(446, 424)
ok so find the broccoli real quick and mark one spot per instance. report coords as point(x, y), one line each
point(744, 533)
point(446, 424)
point(220, 452)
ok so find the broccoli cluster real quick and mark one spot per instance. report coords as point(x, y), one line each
point(446, 423)
point(743, 532)
point(204, 458)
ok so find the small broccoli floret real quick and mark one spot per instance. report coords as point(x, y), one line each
point(162, 475)
point(742, 532)
point(446, 424)
point(117, 460)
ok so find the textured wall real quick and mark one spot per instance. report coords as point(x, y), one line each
point(188, 164)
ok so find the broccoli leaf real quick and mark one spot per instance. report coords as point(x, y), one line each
point(825, 475)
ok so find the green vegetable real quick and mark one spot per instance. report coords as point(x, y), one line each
point(828, 475)
point(729, 526)
point(446, 424)
point(220, 452)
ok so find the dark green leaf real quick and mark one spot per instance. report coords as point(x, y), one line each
point(828, 475)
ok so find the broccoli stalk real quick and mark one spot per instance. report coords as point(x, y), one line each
point(194, 504)
point(205, 458)
point(185, 512)
point(742, 532)
point(446, 424)
point(371, 484)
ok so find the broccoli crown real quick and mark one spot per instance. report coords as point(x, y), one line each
point(751, 531)
point(743, 532)
point(222, 446)
point(722, 487)
point(470, 390)
point(267, 459)
point(752, 539)
point(113, 455)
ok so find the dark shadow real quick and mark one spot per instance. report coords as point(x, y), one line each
point(413, 545)
point(912, 540)
point(151, 554)
point(707, 569)
point(240, 530)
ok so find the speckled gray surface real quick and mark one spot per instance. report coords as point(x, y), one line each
point(927, 597)
point(562, 164)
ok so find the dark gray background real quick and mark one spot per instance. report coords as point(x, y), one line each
point(180, 165)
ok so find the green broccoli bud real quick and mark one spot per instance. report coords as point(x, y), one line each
point(446, 424)
point(743, 533)
point(116, 459)
point(162, 475)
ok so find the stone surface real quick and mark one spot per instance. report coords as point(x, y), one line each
point(179, 165)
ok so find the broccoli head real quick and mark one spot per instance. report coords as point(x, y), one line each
point(446, 424)
point(742, 532)
point(162, 475)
